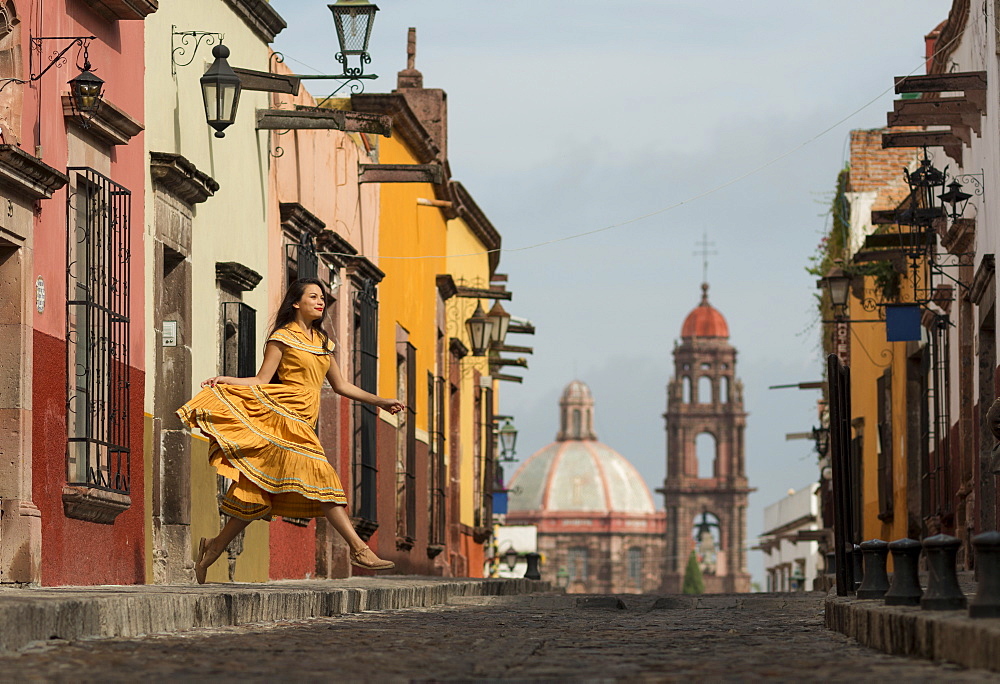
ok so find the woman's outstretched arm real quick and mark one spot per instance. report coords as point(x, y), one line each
point(344, 388)
point(272, 357)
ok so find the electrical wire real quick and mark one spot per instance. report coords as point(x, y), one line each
point(693, 198)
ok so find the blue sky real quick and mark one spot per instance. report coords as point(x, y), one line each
point(568, 117)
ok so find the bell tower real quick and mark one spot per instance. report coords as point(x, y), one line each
point(705, 421)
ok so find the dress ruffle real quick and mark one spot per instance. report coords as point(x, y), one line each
point(262, 438)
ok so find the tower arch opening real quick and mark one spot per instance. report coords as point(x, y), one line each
point(724, 390)
point(686, 393)
point(706, 451)
point(705, 390)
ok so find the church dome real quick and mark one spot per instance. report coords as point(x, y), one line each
point(705, 320)
point(576, 473)
point(581, 476)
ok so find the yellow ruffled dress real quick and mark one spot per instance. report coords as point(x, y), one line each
point(262, 436)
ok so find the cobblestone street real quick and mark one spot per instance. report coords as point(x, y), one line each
point(517, 638)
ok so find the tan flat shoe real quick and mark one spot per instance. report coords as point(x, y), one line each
point(204, 561)
point(366, 558)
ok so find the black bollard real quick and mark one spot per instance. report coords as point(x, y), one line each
point(904, 590)
point(532, 573)
point(875, 582)
point(858, 568)
point(943, 592)
point(987, 601)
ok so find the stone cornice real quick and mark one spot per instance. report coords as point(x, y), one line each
point(332, 241)
point(237, 276)
point(109, 124)
point(960, 237)
point(477, 222)
point(181, 177)
point(28, 176)
point(124, 10)
point(260, 17)
point(297, 219)
point(404, 122)
point(361, 267)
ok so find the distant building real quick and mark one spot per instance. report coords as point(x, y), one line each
point(598, 529)
point(706, 502)
point(791, 541)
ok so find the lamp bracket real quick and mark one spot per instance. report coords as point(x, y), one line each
point(58, 57)
point(976, 179)
point(182, 52)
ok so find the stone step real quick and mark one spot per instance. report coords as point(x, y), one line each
point(71, 613)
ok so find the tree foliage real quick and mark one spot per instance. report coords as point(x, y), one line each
point(694, 582)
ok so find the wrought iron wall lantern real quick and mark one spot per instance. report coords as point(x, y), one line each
point(182, 51)
point(86, 88)
point(510, 557)
point(501, 322)
point(220, 90)
point(480, 329)
point(508, 441)
point(353, 21)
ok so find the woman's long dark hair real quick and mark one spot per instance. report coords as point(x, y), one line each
point(286, 312)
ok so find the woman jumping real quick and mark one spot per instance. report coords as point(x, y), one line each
point(261, 433)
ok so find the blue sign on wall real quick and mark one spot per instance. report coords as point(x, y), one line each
point(500, 503)
point(902, 322)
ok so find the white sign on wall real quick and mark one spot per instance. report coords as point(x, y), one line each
point(40, 295)
point(169, 333)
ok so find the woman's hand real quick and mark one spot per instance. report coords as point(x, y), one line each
point(217, 380)
point(393, 406)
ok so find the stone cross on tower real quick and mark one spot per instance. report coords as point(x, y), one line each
point(704, 252)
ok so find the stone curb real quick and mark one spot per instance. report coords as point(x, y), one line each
point(71, 613)
point(909, 631)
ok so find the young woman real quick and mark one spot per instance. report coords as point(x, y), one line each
point(261, 434)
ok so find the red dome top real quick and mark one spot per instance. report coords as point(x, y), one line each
point(705, 320)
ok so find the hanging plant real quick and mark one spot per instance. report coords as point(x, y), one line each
point(885, 275)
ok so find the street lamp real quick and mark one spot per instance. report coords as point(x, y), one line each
point(220, 88)
point(510, 558)
point(924, 183)
point(480, 328)
point(822, 437)
point(838, 283)
point(956, 198)
point(86, 90)
point(508, 439)
point(501, 321)
point(353, 19)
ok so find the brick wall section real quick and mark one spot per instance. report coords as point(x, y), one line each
point(874, 169)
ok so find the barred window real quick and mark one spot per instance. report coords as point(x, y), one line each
point(301, 258)
point(239, 354)
point(365, 415)
point(97, 331)
point(577, 563)
point(635, 565)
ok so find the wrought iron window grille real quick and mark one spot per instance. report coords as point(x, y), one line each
point(302, 257)
point(97, 332)
point(365, 338)
point(239, 352)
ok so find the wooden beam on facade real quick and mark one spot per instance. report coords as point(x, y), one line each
point(951, 143)
point(959, 121)
point(323, 119)
point(265, 81)
point(507, 378)
point(482, 293)
point(941, 83)
point(400, 173)
point(883, 217)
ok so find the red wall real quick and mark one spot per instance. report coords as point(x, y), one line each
point(292, 550)
point(74, 551)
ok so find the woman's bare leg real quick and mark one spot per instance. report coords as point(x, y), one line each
point(337, 515)
point(228, 533)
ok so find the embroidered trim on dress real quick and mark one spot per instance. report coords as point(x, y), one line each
point(297, 343)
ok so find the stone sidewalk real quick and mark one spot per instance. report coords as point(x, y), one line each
point(943, 635)
point(29, 616)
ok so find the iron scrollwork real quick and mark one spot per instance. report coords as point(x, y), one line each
point(181, 45)
point(57, 58)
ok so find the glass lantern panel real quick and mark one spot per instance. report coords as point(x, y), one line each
point(354, 27)
point(227, 106)
point(211, 94)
